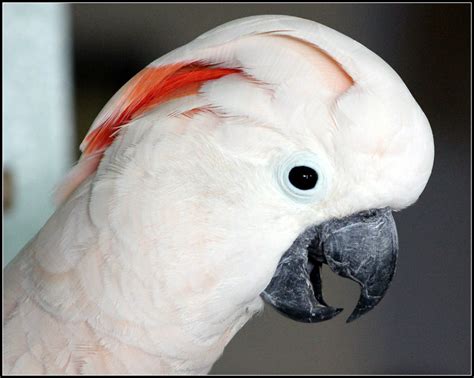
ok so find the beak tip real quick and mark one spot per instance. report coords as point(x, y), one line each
point(325, 314)
point(352, 317)
point(362, 308)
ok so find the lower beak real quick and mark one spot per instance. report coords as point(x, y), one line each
point(362, 247)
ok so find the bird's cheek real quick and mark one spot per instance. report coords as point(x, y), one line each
point(204, 282)
point(269, 254)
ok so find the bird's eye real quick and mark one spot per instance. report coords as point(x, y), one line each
point(303, 178)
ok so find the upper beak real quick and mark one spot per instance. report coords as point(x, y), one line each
point(362, 247)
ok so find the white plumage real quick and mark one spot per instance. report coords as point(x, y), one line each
point(158, 256)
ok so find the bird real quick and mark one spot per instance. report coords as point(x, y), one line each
point(219, 178)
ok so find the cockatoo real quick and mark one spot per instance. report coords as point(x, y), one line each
point(218, 178)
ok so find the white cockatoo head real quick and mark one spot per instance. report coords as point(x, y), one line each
point(232, 167)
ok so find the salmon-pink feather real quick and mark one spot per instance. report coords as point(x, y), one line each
point(149, 88)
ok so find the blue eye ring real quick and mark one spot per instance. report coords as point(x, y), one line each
point(301, 163)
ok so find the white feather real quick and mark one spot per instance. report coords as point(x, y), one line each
point(158, 259)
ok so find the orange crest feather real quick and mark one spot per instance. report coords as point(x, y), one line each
point(149, 88)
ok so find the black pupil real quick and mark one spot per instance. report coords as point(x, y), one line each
point(303, 178)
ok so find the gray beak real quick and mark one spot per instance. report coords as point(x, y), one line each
point(362, 247)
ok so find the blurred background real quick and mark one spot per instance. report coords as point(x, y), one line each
point(61, 64)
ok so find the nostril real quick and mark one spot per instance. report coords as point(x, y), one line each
point(368, 214)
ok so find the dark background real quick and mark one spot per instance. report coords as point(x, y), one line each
point(423, 324)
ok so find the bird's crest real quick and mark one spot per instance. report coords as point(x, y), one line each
point(149, 88)
point(145, 91)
